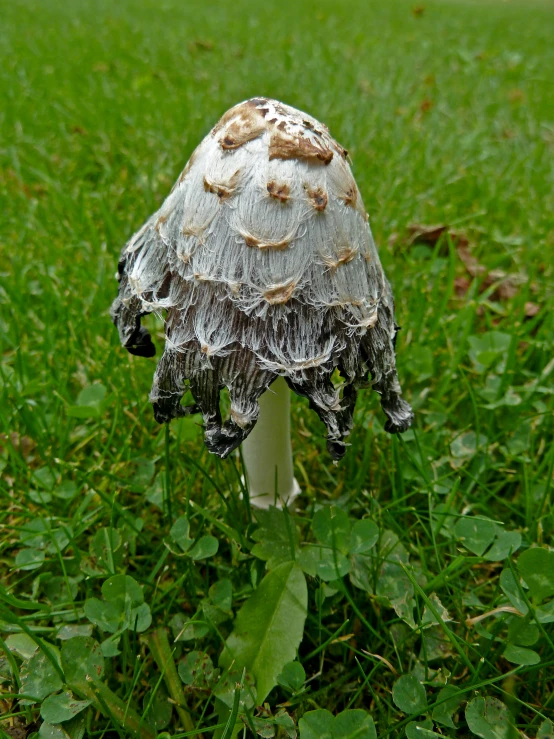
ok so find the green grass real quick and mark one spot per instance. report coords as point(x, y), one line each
point(449, 118)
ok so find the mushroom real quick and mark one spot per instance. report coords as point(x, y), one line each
point(263, 258)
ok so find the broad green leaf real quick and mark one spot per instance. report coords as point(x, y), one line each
point(354, 724)
point(69, 631)
point(292, 676)
point(489, 718)
point(179, 532)
point(123, 607)
point(205, 547)
point(45, 478)
point(316, 725)
point(90, 402)
point(52, 731)
point(226, 688)
point(110, 646)
point(159, 706)
point(434, 644)
point(34, 533)
point(476, 534)
point(331, 528)
point(123, 591)
point(409, 695)
point(107, 547)
point(465, 445)
point(363, 537)
point(429, 618)
point(487, 348)
point(421, 730)
point(188, 629)
point(221, 594)
point(22, 645)
point(197, 669)
point(364, 572)
point(143, 471)
point(62, 707)
point(350, 724)
point(521, 655)
point(506, 543)
point(82, 660)
point(72, 729)
point(29, 559)
point(545, 613)
point(283, 720)
point(442, 714)
point(61, 590)
point(523, 634)
point(536, 567)
point(39, 677)
point(105, 615)
point(511, 590)
point(393, 586)
point(92, 395)
point(58, 539)
point(269, 627)
point(324, 562)
point(277, 537)
point(546, 730)
point(66, 490)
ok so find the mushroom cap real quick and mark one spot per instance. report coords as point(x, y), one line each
point(263, 258)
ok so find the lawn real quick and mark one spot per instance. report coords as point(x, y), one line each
point(126, 549)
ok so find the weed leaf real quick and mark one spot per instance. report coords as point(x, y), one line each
point(489, 718)
point(82, 660)
point(39, 678)
point(442, 714)
point(61, 707)
point(409, 695)
point(269, 627)
point(536, 567)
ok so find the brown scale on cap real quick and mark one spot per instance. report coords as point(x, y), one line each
point(198, 232)
point(279, 192)
point(344, 255)
point(263, 244)
point(240, 132)
point(350, 196)
point(160, 222)
point(282, 146)
point(317, 197)
point(279, 294)
point(223, 190)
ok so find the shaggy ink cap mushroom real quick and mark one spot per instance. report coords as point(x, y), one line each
point(263, 259)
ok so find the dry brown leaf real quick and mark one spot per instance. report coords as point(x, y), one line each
point(461, 286)
point(420, 233)
point(506, 285)
point(531, 310)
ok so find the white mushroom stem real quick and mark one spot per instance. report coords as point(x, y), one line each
point(267, 451)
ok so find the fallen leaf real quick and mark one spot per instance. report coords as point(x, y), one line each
point(531, 310)
point(419, 233)
point(461, 286)
point(418, 11)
